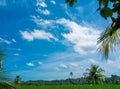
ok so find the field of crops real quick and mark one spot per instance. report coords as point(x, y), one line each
point(72, 87)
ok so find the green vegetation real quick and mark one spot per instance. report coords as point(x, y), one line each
point(17, 80)
point(3, 83)
point(72, 87)
point(2, 57)
point(71, 74)
point(110, 38)
point(94, 75)
point(6, 85)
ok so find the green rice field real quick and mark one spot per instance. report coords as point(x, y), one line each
point(72, 87)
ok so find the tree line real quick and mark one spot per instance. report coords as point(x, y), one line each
point(114, 79)
point(93, 75)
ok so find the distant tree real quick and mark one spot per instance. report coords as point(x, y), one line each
point(17, 80)
point(94, 75)
point(71, 74)
point(4, 84)
point(2, 57)
point(110, 38)
point(79, 81)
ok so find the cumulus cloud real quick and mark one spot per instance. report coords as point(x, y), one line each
point(43, 11)
point(4, 41)
point(13, 40)
point(83, 38)
point(53, 2)
point(40, 63)
point(16, 54)
point(37, 34)
point(41, 22)
point(30, 64)
point(73, 64)
point(80, 9)
point(56, 68)
point(41, 3)
point(63, 66)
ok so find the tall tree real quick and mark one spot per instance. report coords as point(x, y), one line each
point(94, 75)
point(2, 57)
point(17, 80)
point(71, 74)
point(4, 84)
point(111, 36)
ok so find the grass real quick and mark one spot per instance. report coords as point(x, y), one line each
point(72, 87)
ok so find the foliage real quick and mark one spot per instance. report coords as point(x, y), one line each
point(2, 57)
point(71, 2)
point(114, 79)
point(17, 80)
point(72, 87)
point(94, 75)
point(108, 41)
point(6, 85)
point(110, 37)
point(71, 74)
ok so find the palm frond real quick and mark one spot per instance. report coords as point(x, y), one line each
point(6, 85)
point(108, 41)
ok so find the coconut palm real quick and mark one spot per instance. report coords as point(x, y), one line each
point(111, 36)
point(4, 84)
point(2, 57)
point(17, 80)
point(71, 74)
point(94, 75)
point(109, 40)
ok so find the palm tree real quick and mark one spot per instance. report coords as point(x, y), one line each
point(2, 57)
point(4, 84)
point(94, 75)
point(17, 80)
point(111, 36)
point(71, 74)
point(109, 40)
point(79, 81)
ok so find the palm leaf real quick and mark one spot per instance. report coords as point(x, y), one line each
point(108, 41)
point(6, 85)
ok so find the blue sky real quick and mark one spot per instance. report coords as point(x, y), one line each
point(47, 39)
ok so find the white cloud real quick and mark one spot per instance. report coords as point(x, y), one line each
point(37, 34)
point(4, 41)
point(15, 66)
point(73, 64)
point(80, 9)
point(92, 61)
point(30, 64)
point(13, 40)
point(63, 66)
point(41, 22)
point(53, 2)
point(56, 68)
point(45, 11)
point(19, 49)
point(67, 11)
point(27, 35)
point(83, 38)
point(41, 3)
point(40, 63)
point(16, 49)
point(16, 54)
